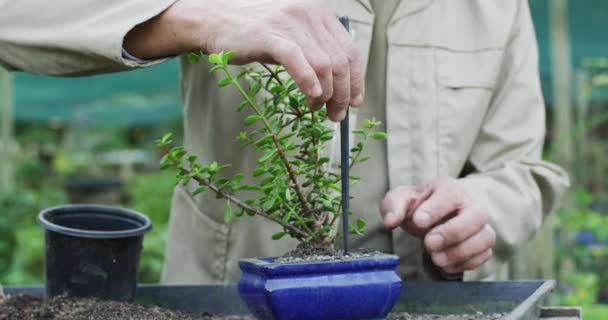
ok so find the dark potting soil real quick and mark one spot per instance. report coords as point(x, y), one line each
point(476, 316)
point(26, 307)
point(311, 252)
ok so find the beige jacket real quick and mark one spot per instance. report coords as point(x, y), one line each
point(462, 91)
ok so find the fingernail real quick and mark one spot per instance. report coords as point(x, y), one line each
point(440, 259)
point(358, 100)
point(390, 219)
point(434, 242)
point(422, 219)
point(316, 91)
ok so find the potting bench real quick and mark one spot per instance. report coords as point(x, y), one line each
point(518, 299)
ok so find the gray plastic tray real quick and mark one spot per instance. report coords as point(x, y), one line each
point(519, 299)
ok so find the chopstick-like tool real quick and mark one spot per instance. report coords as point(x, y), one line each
point(345, 163)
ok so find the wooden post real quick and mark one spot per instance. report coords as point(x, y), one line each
point(6, 131)
point(563, 122)
point(562, 77)
point(583, 94)
point(535, 259)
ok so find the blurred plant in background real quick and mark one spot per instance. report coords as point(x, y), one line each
point(582, 224)
point(52, 169)
point(582, 252)
point(151, 194)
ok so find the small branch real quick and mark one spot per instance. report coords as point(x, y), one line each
point(358, 155)
point(292, 175)
point(297, 232)
point(273, 74)
point(277, 144)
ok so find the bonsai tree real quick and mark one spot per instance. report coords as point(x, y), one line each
point(295, 184)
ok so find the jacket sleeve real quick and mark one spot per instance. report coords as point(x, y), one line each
point(510, 179)
point(71, 38)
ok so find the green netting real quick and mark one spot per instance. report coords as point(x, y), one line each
point(588, 22)
point(151, 96)
point(140, 97)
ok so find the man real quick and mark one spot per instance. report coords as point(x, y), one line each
point(455, 84)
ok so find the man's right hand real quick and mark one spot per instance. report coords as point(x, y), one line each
point(304, 36)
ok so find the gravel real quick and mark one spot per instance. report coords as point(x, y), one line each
point(309, 252)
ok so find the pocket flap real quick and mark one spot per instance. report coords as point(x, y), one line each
point(476, 69)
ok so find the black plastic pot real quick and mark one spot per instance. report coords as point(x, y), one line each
point(93, 251)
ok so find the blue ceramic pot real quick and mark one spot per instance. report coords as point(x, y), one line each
point(357, 289)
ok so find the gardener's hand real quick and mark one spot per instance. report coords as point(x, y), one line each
point(302, 35)
point(455, 230)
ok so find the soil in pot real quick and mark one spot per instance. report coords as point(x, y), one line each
point(311, 252)
point(26, 307)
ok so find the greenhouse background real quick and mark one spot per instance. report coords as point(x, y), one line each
point(91, 139)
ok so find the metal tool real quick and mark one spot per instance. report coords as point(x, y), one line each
point(345, 163)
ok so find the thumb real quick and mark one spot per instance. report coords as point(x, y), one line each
point(394, 206)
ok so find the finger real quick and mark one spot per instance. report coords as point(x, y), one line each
point(447, 198)
point(467, 249)
point(322, 65)
point(314, 42)
point(393, 207)
point(471, 264)
point(339, 102)
point(469, 222)
point(291, 56)
point(344, 39)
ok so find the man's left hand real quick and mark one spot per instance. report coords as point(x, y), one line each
point(455, 230)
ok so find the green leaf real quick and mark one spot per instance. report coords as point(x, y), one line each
point(278, 235)
point(287, 216)
point(242, 106)
point(166, 139)
point(228, 213)
point(267, 180)
point(224, 82)
point(288, 195)
point(226, 57)
point(193, 58)
point(335, 187)
point(237, 178)
point(255, 89)
point(361, 224)
point(324, 160)
point(223, 167)
point(379, 135)
point(252, 119)
point(326, 203)
point(359, 131)
point(220, 181)
point(215, 58)
point(267, 156)
point(178, 153)
point(316, 132)
point(214, 69)
point(276, 89)
point(258, 172)
point(239, 213)
point(200, 190)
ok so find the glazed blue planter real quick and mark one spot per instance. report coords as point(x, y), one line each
point(357, 289)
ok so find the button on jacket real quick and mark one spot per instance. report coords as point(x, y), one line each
point(461, 91)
